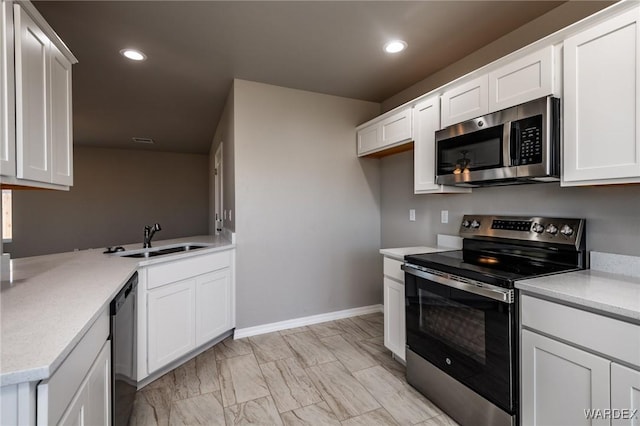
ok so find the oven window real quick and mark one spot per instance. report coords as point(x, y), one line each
point(474, 151)
point(458, 325)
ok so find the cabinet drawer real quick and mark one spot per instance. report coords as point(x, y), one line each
point(608, 336)
point(55, 394)
point(391, 269)
point(158, 275)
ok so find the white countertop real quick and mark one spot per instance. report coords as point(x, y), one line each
point(400, 252)
point(608, 293)
point(52, 301)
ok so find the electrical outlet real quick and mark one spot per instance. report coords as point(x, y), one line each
point(444, 216)
point(412, 215)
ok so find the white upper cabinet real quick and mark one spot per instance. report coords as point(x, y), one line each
point(43, 112)
point(465, 101)
point(32, 122)
point(426, 120)
point(7, 100)
point(384, 134)
point(516, 82)
point(369, 139)
point(601, 103)
point(61, 130)
point(522, 80)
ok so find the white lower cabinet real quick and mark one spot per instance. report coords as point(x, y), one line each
point(185, 304)
point(91, 404)
point(394, 313)
point(78, 392)
point(394, 318)
point(213, 316)
point(560, 382)
point(171, 322)
point(625, 395)
point(571, 367)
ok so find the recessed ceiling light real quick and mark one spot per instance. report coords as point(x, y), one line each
point(395, 46)
point(133, 54)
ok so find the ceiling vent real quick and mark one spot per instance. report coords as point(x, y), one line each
point(143, 140)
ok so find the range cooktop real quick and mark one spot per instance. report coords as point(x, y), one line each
point(500, 250)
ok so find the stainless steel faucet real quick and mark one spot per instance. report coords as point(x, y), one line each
point(149, 231)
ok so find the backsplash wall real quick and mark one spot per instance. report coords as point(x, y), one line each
point(612, 212)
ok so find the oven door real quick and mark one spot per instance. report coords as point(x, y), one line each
point(465, 329)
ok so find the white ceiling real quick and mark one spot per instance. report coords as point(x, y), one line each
point(196, 49)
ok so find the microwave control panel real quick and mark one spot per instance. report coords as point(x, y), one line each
point(528, 133)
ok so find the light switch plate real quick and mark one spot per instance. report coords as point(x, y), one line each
point(444, 216)
point(412, 215)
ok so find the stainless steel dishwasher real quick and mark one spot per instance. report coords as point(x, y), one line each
point(123, 352)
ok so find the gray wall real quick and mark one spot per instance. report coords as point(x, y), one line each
point(308, 210)
point(612, 212)
point(552, 21)
point(115, 193)
point(224, 134)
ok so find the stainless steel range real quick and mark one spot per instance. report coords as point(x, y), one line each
point(462, 311)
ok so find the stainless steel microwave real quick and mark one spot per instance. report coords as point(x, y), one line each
point(520, 144)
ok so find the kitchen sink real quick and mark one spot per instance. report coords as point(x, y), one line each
point(161, 251)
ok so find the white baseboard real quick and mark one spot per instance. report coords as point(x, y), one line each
point(300, 322)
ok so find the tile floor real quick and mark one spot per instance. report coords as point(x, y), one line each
point(334, 373)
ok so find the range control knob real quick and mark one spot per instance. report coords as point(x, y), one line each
point(552, 229)
point(537, 228)
point(475, 224)
point(466, 223)
point(566, 230)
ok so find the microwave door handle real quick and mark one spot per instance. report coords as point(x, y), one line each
point(516, 143)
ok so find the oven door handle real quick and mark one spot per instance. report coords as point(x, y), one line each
point(481, 289)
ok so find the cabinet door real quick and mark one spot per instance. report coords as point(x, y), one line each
point(213, 307)
point(7, 100)
point(522, 80)
point(170, 322)
point(394, 318)
point(33, 149)
point(625, 395)
point(559, 382)
point(466, 101)
point(426, 120)
point(61, 128)
point(98, 410)
point(601, 103)
point(76, 413)
point(369, 139)
point(91, 404)
point(396, 128)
